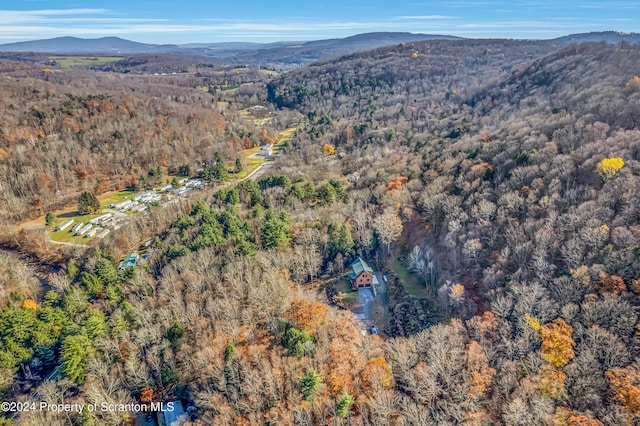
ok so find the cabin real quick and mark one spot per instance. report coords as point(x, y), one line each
point(361, 275)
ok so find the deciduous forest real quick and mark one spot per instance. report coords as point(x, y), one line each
point(493, 182)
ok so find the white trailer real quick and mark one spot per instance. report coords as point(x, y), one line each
point(64, 225)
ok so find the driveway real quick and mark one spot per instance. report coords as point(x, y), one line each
point(365, 298)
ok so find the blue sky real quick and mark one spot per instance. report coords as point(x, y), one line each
point(188, 21)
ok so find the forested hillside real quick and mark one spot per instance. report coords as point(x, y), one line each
point(504, 174)
point(66, 131)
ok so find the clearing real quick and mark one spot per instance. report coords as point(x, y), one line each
point(80, 61)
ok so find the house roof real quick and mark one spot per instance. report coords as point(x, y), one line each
point(359, 266)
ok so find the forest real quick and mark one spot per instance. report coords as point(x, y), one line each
point(503, 173)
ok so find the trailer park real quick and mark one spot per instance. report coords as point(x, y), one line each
point(115, 210)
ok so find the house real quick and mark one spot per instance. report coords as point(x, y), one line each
point(361, 275)
point(129, 261)
point(266, 150)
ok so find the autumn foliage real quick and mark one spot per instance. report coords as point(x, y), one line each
point(397, 183)
point(623, 383)
point(307, 315)
point(608, 167)
point(567, 417)
point(481, 373)
point(30, 304)
point(557, 344)
point(611, 284)
point(329, 149)
point(550, 382)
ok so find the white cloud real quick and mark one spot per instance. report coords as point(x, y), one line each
point(427, 17)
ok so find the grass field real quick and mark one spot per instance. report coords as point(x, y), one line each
point(410, 284)
point(105, 199)
point(285, 135)
point(350, 297)
point(71, 61)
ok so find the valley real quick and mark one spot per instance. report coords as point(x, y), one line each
point(437, 231)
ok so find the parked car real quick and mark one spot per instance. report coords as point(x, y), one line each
point(374, 330)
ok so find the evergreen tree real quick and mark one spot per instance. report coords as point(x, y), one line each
point(275, 231)
point(75, 354)
point(95, 324)
point(50, 219)
point(87, 203)
point(310, 383)
point(340, 240)
point(105, 271)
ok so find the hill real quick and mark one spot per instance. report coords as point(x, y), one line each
point(611, 37)
point(271, 54)
point(104, 45)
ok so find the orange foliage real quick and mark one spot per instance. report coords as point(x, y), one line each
point(633, 84)
point(397, 183)
point(377, 373)
point(346, 363)
point(477, 418)
point(479, 170)
point(265, 137)
point(102, 186)
point(550, 382)
point(329, 149)
point(43, 180)
point(478, 365)
point(30, 304)
point(307, 315)
point(557, 344)
point(3, 153)
point(567, 417)
point(146, 395)
point(611, 284)
point(106, 106)
point(623, 383)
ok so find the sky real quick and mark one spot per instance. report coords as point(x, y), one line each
point(201, 21)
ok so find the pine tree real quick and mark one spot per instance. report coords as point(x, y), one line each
point(87, 203)
point(75, 354)
point(310, 383)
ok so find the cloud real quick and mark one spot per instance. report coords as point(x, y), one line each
point(426, 17)
point(13, 17)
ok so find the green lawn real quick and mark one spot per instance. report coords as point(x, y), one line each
point(410, 284)
point(116, 197)
point(343, 286)
point(285, 135)
point(250, 163)
point(67, 236)
point(70, 61)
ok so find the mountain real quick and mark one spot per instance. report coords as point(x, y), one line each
point(277, 53)
point(304, 53)
point(102, 45)
point(612, 37)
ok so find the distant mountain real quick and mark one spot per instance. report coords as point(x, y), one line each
point(612, 37)
point(104, 45)
point(304, 53)
point(278, 54)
